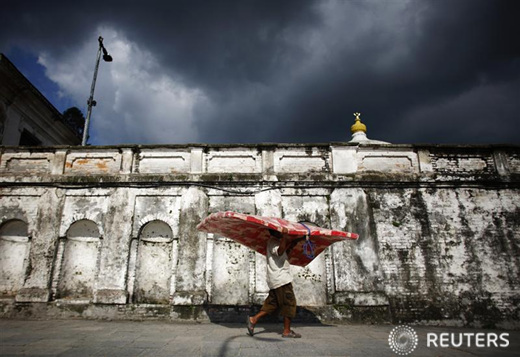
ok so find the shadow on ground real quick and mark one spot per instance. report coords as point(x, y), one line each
point(238, 314)
point(269, 329)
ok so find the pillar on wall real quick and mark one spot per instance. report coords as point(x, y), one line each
point(310, 282)
point(44, 237)
point(228, 263)
point(269, 204)
point(190, 283)
point(357, 273)
point(113, 266)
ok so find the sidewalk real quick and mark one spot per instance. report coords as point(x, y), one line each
point(162, 338)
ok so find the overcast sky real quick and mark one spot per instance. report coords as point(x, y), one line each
point(244, 71)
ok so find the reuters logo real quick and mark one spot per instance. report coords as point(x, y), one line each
point(403, 340)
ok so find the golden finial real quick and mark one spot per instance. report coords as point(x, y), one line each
point(358, 125)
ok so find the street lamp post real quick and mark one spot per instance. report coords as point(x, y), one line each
point(91, 102)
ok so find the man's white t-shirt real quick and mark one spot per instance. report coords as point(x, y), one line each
point(278, 267)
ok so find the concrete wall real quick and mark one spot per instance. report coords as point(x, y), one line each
point(109, 232)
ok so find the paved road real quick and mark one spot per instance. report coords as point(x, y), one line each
point(162, 338)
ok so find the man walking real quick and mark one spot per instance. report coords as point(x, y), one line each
point(281, 297)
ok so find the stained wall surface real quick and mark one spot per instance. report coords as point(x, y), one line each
point(111, 231)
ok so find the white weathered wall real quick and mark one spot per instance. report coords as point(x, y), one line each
point(115, 226)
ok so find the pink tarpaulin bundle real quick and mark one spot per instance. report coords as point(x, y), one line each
point(252, 231)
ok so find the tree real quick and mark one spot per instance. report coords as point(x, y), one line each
point(75, 119)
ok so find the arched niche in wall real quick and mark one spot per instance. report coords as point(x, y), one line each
point(78, 260)
point(14, 255)
point(151, 262)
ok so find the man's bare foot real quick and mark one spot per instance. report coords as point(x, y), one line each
point(250, 326)
point(291, 334)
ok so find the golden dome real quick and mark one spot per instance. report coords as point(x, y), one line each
point(358, 125)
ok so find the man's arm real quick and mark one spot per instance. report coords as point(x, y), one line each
point(286, 246)
point(293, 243)
point(282, 248)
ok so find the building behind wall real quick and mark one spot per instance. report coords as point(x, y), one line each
point(27, 118)
point(109, 232)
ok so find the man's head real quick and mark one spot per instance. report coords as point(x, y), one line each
point(275, 234)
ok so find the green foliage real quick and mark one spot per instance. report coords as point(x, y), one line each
point(75, 119)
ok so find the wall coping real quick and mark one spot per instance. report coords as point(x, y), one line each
point(263, 145)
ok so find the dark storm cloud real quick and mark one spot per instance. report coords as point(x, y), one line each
point(209, 42)
point(450, 48)
point(295, 71)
